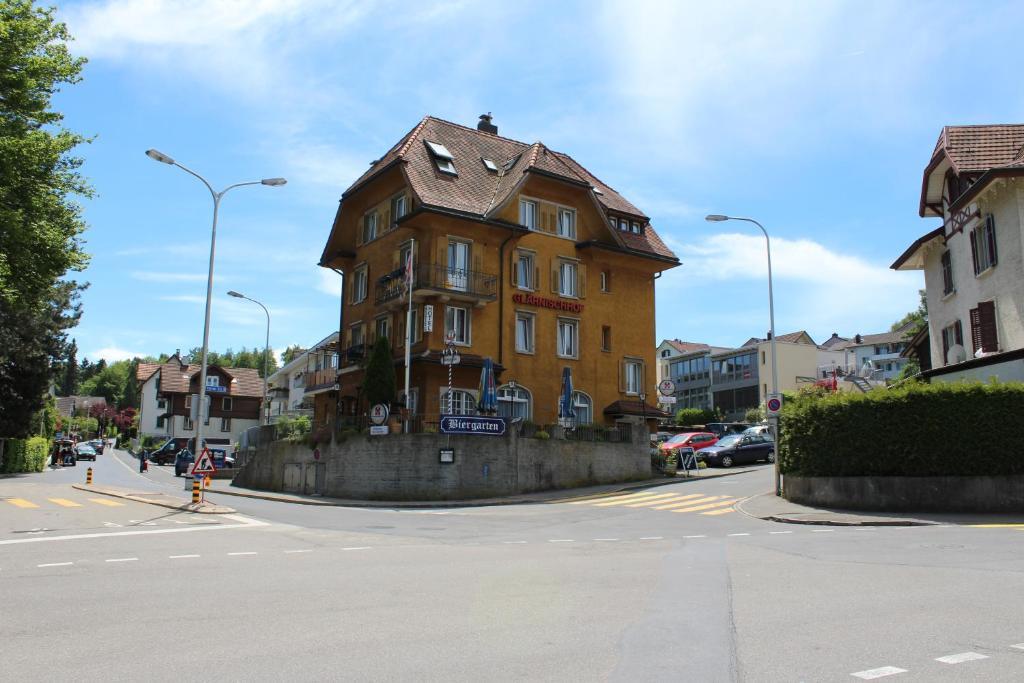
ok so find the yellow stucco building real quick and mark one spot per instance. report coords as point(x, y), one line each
point(519, 254)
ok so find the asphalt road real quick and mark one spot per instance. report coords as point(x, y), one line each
point(606, 588)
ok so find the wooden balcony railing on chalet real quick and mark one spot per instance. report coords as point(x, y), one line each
point(429, 278)
point(320, 379)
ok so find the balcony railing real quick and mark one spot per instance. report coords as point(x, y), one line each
point(353, 354)
point(321, 378)
point(458, 282)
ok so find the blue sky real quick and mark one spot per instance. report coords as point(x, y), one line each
point(816, 118)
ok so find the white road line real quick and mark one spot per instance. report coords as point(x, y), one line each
point(55, 564)
point(123, 559)
point(1018, 646)
point(289, 552)
point(180, 557)
point(697, 536)
point(880, 672)
point(961, 658)
point(652, 538)
point(249, 552)
point(822, 531)
point(780, 532)
point(743, 534)
point(245, 523)
point(357, 547)
point(511, 542)
point(561, 540)
point(604, 539)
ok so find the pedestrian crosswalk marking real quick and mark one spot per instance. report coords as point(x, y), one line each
point(104, 501)
point(709, 506)
point(618, 500)
point(21, 503)
point(64, 502)
point(686, 501)
point(653, 500)
point(719, 512)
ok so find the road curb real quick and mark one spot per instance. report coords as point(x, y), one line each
point(782, 519)
point(425, 505)
point(201, 508)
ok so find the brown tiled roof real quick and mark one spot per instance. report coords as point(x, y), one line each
point(792, 337)
point(687, 347)
point(634, 408)
point(65, 404)
point(980, 148)
point(175, 379)
point(898, 335)
point(145, 370)
point(477, 191)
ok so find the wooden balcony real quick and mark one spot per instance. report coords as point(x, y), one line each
point(319, 380)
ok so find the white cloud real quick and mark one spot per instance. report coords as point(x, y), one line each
point(152, 276)
point(113, 353)
point(329, 282)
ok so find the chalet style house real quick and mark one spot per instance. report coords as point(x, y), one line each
point(520, 254)
point(166, 391)
point(973, 261)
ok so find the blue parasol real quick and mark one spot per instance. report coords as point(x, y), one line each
point(566, 414)
point(488, 403)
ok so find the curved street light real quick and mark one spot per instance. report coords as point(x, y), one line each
point(718, 218)
point(265, 411)
point(217, 196)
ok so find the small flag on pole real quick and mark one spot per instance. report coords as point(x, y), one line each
point(408, 271)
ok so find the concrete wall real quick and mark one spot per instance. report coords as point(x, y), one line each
point(909, 494)
point(407, 467)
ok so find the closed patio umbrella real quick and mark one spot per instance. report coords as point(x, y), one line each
point(566, 414)
point(488, 403)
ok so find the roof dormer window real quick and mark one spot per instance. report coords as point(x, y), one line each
point(442, 157)
point(489, 165)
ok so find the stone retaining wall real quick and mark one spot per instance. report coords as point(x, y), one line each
point(407, 466)
point(909, 494)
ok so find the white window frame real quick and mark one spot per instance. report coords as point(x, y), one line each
point(467, 337)
point(623, 225)
point(352, 335)
point(413, 400)
point(563, 214)
point(225, 424)
point(370, 226)
point(360, 283)
point(604, 281)
point(637, 380)
point(188, 401)
point(985, 256)
point(577, 403)
point(187, 424)
point(635, 228)
point(531, 345)
point(510, 397)
point(564, 266)
point(399, 207)
point(528, 218)
point(212, 381)
point(574, 325)
point(463, 402)
point(386, 319)
point(531, 270)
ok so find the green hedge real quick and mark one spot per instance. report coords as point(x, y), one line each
point(25, 455)
point(915, 430)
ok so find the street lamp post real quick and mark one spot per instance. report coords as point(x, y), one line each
point(717, 218)
point(265, 412)
point(217, 196)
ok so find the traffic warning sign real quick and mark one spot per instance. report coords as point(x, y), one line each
point(204, 463)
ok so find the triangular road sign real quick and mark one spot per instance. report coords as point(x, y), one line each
point(204, 463)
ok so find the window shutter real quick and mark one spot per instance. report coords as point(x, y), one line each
point(987, 326)
point(976, 329)
point(622, 375)
point(959, 329)
point(974, 250)
point(554, 276)
point(396, 259)
point(536, 279)
point(514, 269)
point(442, 257)
point(478, 263)
point(385, 220)
point(990, 223)
point(643, 377)
point(359, 231)
point(581, 269)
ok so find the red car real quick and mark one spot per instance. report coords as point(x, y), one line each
point(694, 440)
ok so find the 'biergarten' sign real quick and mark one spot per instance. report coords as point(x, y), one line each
point(471, 424)
point(544, 302)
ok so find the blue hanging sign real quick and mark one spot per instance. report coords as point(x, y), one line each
point(472, 424)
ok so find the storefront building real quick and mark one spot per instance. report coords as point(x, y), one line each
point(519, 255)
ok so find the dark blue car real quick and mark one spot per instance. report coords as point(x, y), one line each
point(739, 449)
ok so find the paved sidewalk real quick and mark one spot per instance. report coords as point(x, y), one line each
point(161, 499)
point(224, 487)
point(772, 508)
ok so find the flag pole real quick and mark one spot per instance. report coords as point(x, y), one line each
point(408, 327)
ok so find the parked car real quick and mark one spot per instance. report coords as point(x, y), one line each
point(720, 429)
point(84, 451)
point(694, 440)
point(165, 454)
point(739, 449)
point(658, 438)
point(183, 462)
point(97, 445)
point(758, 429)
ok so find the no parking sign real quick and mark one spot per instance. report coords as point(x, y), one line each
point(774, 405)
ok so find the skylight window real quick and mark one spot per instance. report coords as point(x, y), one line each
point(511, 162)
point(442, 157)
point(440, 151)
point(489, 165)
point(597, 190)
